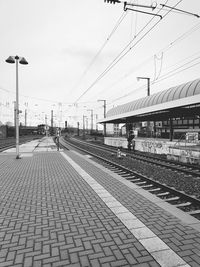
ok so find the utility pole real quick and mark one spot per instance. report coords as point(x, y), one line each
point(84, 126)
point(104, 106)
point(78, 128)
point(148, 94)
point(52, 119)
point(96, 123)
point(25, 117)
point(91, 120)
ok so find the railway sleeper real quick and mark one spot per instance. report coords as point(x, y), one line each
point(127, 175)
point(154, 190)
point(141, 183)
point(171, 199)
point(147, 186)
point(133, 179)
point(162, 194)
point(194, 212)
point(184, 204)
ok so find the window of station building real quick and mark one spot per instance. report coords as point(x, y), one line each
point(196, 121)
point(180, 122)
point(185, 121)
point(191, 121)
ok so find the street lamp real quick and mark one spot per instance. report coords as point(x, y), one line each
point(148, 83)
point(104, 106)
point(22, 61)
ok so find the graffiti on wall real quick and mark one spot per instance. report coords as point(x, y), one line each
point(154, 147)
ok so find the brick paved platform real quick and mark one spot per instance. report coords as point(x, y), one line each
point(64, 209)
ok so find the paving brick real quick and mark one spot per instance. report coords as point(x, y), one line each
point(28, 262)
point(119, 263)
point(196, 258)
point(3, 253)
point(37, 264)
point(74, 258)
point(19, 259)
point(42, 256)
point(50, 260)
point(7, 263)
point(58, 220)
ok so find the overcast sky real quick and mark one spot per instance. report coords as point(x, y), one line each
point(71, 47)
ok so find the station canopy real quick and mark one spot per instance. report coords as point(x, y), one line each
point(176, 102)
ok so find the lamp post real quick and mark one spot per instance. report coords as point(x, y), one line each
point(17, 60)
point(104, 106)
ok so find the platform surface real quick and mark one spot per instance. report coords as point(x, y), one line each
point(61, 208)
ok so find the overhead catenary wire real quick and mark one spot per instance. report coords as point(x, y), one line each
point(112, 64)
point(174, 72)
point(163, 77)
point(100, 50)
point(121, 55)
point(161, 51)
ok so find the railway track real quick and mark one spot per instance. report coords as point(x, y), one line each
point(11, 142)
point(126, 168)
point(189, 169)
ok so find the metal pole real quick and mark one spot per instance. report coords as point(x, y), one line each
point(78, 128)
point(83, 127)
point(52, 120)
point(15, 116)
point(148, 86)
point(91, 121)
point(17, 110)
point(25, 117)
point(96, 123)
point(104, 117)
point(104, 106)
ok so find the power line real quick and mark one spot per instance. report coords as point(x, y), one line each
point(174, 72)
point(116, 60)
point(169, 74)
point(121, 55)
point(100, 50)
point(162, 51)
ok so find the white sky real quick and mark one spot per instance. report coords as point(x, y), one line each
point(60, 39)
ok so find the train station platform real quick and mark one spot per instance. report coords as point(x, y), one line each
point(61, 208)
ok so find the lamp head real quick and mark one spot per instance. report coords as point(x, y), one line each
point(23, 61)
point(10, 60)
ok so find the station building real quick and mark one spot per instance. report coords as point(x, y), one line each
point(166, 120)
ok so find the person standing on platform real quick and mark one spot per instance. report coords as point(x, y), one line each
point(131, 142)
point(58, 133)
